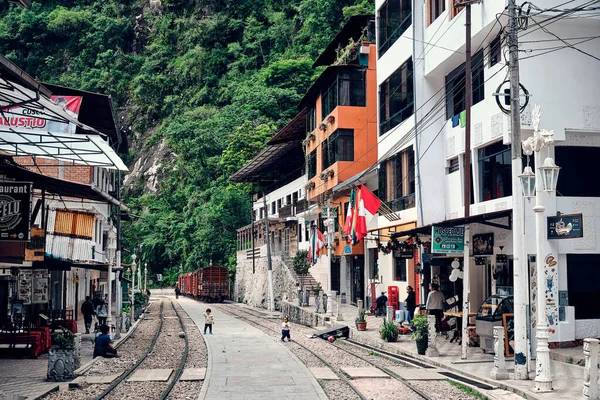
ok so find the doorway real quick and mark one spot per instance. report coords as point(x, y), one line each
point(358, 284)
point(335, 273)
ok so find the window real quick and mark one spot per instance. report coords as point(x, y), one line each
point(311, 164)
point(396, 98)
point(300, 233)
point(435, 8)
point(583, 280)
point(279, 204)
point(453, 165)
point(262, 212)
point(495, 51)
point(576, 163)
point(294, 197)
point(394, 17)
point(345, 89)
point(456, 86)
point(288, 199)
point(494, 171)
point(399, 269)
point(339, 146)
point(273, 209)
point(455, 10)
point(397, 180)
point(311, 119)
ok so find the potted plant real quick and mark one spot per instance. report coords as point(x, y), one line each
point(62, 356)
point(420, 332)
point(389, 331)
point(361, 322)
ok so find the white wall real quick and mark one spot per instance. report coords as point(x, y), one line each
point(281, 193)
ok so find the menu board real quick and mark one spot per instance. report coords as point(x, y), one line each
point(33, 286)
point(509, 334)
point(40, 286)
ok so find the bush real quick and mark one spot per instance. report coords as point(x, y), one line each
point(420, 326)
point(389, 331)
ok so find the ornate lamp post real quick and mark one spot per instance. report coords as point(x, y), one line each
point(546, 182)
point(145, 276)
point(111, 250)
point(133, 268)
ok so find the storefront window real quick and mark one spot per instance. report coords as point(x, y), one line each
point(400, 269)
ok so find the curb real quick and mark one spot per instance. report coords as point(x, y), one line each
point(392, 349)
point(47, 392)
point(84, 368)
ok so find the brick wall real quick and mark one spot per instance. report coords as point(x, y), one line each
point(51, 167)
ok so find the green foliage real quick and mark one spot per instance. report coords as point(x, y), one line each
point(388, 331)
point(420, 326)
point(211, 80)
point(364, 7)
point(361, 315)
point(64, 339)
point(300, 263)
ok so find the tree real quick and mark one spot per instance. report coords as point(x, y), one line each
point(301, 265)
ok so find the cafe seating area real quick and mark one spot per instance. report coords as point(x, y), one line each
point(21, 337)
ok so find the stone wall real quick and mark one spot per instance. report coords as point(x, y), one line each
point(304, 316)
point(252, 288)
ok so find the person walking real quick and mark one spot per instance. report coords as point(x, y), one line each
point(435, 305)
point(177, 292)
point(102, 312)
point(209, 320)
point(87, 309)
point(411, 303)
point(285, 330)
point(103, 346)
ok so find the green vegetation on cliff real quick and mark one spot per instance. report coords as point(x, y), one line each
point(214, 79)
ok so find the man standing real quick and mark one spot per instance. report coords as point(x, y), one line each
point(435, 305)
point(411, 303)
point(87, 309)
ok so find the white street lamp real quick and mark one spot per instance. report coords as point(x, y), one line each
point(548, 174)
point(133, 268)
point(111, 250)
point(145, 276)
point(528, 182)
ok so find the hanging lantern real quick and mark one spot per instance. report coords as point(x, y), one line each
point(528, 182)
point(549, 174)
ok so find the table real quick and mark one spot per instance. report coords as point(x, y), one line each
point(458, 332)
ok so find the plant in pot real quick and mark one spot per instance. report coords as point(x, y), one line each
point(62, 356)
point(420, 332)
point(389, 331)
point(361, 322)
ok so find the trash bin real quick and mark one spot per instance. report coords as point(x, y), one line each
point(490, 315)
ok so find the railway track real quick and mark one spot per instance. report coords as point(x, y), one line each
point(335, 369)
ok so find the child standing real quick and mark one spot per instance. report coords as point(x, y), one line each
point(209, 320)
point(285, 330)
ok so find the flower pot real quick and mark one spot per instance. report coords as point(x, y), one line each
point(390, 339)
point(61, 364)
point(361, 326)
point(421, 345)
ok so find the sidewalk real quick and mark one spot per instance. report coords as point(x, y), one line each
point(27, 377)
point(567, 378)
point(246, 363)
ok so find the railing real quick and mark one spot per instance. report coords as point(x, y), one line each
point(301, 205)
point(397, 118)
point(403, 203)
point(386, 44)
point(286, 211)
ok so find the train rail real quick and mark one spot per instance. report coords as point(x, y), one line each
point(336, 370)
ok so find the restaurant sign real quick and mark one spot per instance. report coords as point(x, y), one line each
point(447, 240)
point(15, 204)
point(565, 226)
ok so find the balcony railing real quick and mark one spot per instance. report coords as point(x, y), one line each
point(386, 44)
point(286, 211)
point(402, 203)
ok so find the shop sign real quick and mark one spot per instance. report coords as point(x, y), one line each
point(404, 254)
point(447, 240)
point(565, 226)
point(15, 205)
point(483, 244)
point(347, 249)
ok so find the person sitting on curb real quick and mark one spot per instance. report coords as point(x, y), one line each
point(103, 346)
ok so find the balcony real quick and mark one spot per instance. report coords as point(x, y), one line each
point(402, 203)
point(286, 211)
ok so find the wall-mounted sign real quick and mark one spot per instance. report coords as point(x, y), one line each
point(565, 226)
point(483, 244)
point(34, 251)
point(404, 254)
point(15, 204)
point(447, 240)
point(347, 249)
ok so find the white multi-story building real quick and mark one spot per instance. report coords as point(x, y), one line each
point(558, 67)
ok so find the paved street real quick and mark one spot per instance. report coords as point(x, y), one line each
point(244, 362)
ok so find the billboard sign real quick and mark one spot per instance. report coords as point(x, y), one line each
point(15, 205)
point(447, 240)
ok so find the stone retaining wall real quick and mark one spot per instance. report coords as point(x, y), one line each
point(304, 316)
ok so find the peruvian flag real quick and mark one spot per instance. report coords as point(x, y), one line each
point(366, 203)
point(316, 244)
point(351, 206)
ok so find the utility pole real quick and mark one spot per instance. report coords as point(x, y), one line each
point(521, 286)
point(269, 265)
point(467, 181)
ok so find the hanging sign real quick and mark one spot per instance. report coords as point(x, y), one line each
point(483, 244)
point(565, 226)
point(15, 204)
point(447, 240)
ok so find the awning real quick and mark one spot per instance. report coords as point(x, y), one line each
point(54, 185)
point(25, 119)
point(294, 130)
point(272, 164)
point(474, 219)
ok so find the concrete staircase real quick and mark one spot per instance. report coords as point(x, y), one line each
point(306, 281)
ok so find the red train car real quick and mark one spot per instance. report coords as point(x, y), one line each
point(207, 284)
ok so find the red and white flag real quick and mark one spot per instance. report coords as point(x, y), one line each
point(316, 244)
